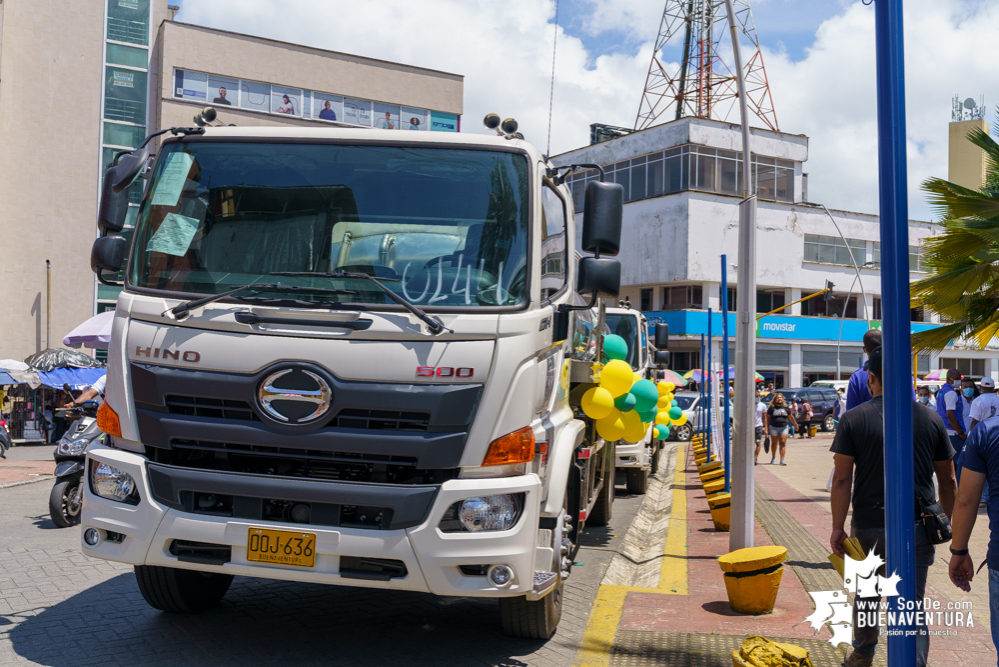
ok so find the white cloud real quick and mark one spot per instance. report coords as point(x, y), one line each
point(504, 52)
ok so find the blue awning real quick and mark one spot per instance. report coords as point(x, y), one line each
point(76, 378)
point(6, 379)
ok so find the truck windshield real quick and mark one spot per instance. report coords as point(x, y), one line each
point(626, 326)
point(441, 227)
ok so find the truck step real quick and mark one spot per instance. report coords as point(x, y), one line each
point(544, 580)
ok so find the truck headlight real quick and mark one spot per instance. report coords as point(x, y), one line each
point(108, 482)
point(483, 514)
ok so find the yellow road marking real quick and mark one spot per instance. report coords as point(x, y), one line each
point(601, 629)
point(673, 572)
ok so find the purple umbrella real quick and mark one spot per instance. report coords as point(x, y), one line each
point(95, 333)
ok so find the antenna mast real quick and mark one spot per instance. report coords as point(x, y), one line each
point(704, 84)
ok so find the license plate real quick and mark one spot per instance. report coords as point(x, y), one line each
point(281, 547)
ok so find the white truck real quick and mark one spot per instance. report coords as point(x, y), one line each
point(640, 459)
point(350, 357)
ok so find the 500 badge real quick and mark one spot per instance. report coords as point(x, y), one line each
point(444, 372)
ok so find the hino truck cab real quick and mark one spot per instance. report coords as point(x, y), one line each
point(350, 357)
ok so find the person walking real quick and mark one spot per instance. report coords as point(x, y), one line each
point(980, 460)
point(778, 422)
point(950, 407)
point(761, 411)
point(857, 391)
point(858, 456)
point(969, 392)
point(986, 405)
point(804, 417)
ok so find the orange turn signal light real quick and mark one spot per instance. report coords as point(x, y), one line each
point(107, 420)
point(516, 447)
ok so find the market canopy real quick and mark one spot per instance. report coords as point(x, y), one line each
point(78, 379)
point(60, 357)
point(95, 333)
point(6, 379)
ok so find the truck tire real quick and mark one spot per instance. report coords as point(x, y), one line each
point(601, 514)
point(638, 480)
point(655, 457)
point(180, 591)
point(64, 505)
point(532, 619)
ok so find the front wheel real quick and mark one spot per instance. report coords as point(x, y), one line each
point(532, 619)
point(601, 514)
point(683, 433)
point(181, 591)
point(829, 423)
point(65, 501)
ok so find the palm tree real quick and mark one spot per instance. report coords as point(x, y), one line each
point(964, 261)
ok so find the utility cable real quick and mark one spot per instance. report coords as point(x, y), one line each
point(551, 93)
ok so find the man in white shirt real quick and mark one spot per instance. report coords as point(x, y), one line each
point(761, 409)
point(987, 403)
point(95, 391)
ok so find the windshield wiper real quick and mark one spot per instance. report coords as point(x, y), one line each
point(433, 323)
point(181, 311)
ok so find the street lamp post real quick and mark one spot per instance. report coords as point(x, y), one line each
point(741, 527)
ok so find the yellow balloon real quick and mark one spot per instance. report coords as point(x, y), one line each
point(682, 420)
point(638, 376)
point(616, 377)
point(634, 429)
point(611, 427)
point(664, 402)
point(663, 388)
point(597, 403)
point(663, 417)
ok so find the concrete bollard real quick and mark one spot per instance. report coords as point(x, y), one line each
point(752, 578)
point(711, 465)
point(714, 486)
point(711, 475)
point(721, 511)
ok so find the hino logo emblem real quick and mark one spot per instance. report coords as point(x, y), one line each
point(295, 396)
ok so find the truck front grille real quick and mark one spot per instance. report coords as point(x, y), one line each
point(297, 463)
point(374, 420)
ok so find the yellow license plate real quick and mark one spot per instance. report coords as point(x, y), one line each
point(281, 547)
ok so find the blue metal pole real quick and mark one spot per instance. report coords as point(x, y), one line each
point(896, 348)
point(700, 402)
point(709, 379)
point(724, 397)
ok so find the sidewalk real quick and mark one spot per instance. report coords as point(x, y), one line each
point(12, 472)
point(684, 618)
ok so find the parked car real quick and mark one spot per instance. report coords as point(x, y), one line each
point(689, 402)
point(823, 402)
point(831, 384)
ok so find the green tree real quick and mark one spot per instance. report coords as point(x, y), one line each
point(963, 287)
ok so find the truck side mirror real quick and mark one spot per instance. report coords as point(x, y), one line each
point(129, 166)
point(603, 209)
point(602, 276)
point(662, 358)
point(108, 254)
point(662, 336)
point(114, 205)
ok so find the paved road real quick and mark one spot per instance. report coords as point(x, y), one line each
point(60, 608)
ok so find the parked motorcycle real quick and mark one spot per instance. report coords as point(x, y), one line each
point(66, 498)
point(5, 441)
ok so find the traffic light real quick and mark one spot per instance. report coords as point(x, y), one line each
point(828, 295)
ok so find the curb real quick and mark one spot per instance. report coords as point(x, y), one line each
point(639, 560)
point(40, 478)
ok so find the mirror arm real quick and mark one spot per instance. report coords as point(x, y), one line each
point(559, 179)
point(102, 280)
point(565, 307)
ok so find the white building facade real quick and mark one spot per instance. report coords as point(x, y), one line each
point(681, 215)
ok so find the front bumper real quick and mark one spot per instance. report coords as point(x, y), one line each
point(432, 558)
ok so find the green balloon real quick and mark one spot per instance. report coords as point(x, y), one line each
point(647, 416)
point(615, 347)
point(674, 403)
point(625, 402)
point(646, 395)
point(662, 432)
point(675, 413)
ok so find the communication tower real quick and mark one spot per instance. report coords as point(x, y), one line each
point(967, 110)
point(704, 85)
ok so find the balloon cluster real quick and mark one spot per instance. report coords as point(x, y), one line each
point(624, 405)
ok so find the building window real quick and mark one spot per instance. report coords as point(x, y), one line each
point(681, 362)
point(125, 95)
point(832, 250)
point(129, 56)
point(916, 261)
point(732, 294)
point(691, 167)
point(819, 307)
point(964, 366)
point(553, 248)
point(128, 21)
point(681, 297)
point(646, 299)
point(768, 300)
point(877, 308)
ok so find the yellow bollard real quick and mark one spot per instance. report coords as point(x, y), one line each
point(721, 511)
point(709, 466)
point(715, 486)
point(752, 578)
point(717, 473)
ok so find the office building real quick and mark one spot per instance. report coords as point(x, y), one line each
point(122, 70)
